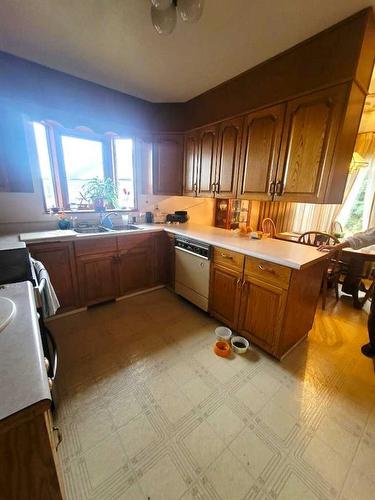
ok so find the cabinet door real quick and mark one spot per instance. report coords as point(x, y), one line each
point(163, 262)
point(228, 158)
point(137, 267)
point(58, 259)
point(224, 294)
point(206, 161)
point(190, 163)
point(261, 313)
point(167, 164)
point(97, 277)
point(260, 152)
point(311, 128)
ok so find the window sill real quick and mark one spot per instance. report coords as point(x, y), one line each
point(118, 210)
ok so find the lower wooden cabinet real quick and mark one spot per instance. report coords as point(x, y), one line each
point(271, 305)
point(261, 312)
point(59, 260)
point(98, 277)
point(224, 294)
point(29, 461)
point(136, 263)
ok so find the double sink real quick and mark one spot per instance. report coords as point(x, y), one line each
point(102, 229)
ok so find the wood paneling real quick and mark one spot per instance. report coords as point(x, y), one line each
point(207, 145)
point(311, 127)
point(224, 294)
point(58, 259)
point(260, 153)
point(167, 164)
point(228, 157)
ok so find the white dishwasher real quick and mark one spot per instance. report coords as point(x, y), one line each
point(192, 270)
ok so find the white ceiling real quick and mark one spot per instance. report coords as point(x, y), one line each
point(112, 42)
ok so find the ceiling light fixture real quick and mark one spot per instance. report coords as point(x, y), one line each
point(164, 13)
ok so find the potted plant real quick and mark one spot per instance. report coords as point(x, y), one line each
point(101, 193)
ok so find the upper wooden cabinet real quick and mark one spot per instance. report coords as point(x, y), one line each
point(309, 137)
point(207, 143)
point(228, 157)
point(190, 163)
point(167, 164)
point(260, 153)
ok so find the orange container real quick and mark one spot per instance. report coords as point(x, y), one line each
point(222, 349)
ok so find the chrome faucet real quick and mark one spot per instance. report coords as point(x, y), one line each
point(105, 220)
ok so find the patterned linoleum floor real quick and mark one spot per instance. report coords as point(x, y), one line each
point(147, 410)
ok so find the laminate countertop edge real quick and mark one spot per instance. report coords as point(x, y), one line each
point(292, 255)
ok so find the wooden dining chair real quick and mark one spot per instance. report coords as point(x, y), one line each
point(331, 277)
point(268, 226)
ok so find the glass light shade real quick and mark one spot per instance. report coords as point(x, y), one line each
point(190, 10)
point(164, 21)
point(161, 4)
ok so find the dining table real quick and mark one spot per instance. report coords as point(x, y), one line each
point(358, 270)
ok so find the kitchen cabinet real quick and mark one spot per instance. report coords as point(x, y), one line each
point(190, 163)
point(224, 294)
point(98, 280)
point(261, 312)
point(58, 258)
point(310, 132)
point(136, 262)
point(271, 305)
point(206, 165)
point(167, 164)
point(164, 259)
point(228, 158)
point(260, 153)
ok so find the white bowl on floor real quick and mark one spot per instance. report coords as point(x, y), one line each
point(239, 340)
point(223, 333)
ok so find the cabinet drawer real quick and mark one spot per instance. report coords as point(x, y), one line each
point(227, 258)
point(268, 272)
point(126, 242)
point(95, 245)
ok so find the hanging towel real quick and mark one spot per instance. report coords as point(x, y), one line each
point(50, 302)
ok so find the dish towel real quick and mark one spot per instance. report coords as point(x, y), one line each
point(50, 302)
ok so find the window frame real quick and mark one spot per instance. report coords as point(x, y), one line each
point(54, 133)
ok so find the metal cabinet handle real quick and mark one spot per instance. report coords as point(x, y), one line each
point(238, 281)
point(225, 256)
point(279, 188)
point(271, 190)
point(217, 187)
point(267, 269)
point(195, 187)
point(243, 283)
point(59, 436)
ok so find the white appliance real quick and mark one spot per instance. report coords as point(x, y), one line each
point(192, 271)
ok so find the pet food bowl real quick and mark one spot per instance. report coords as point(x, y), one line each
point(222, 348)
point(239, 344)
point(223, 333)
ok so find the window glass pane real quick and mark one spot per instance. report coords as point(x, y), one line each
point(83, 160)
point(124, 172)
point(41, 142)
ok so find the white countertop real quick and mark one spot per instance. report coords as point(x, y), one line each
point(23, 375)
point(288, 254)
point(11, 242)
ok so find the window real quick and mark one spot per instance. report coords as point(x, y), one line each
point(79, 157)
point(356, 209)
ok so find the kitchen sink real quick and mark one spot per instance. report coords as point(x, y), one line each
point(102, 229)
point(126, 227)
point(90, 230)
